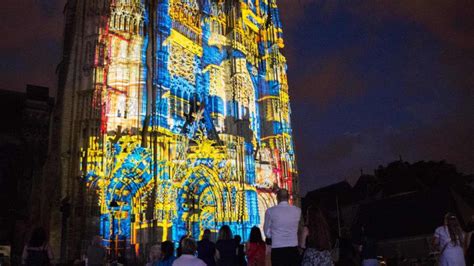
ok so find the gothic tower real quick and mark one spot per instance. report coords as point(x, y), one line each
point(175, 118)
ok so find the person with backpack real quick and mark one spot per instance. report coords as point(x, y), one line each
point(37, 252)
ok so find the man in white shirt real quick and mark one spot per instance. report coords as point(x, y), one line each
point(187, 258)
point(281, 226)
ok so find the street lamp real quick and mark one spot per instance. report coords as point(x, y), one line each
point(113, 205)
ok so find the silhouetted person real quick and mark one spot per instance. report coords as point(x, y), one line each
point(368, 247)
point(178, 250)
point(256, 248)
point(167, 254)
point(207, 249)
point(470, 243)
point(187, 258)
point(346, 250)
point(37, 252)
point(281, 225)
point(226, 253)
point(96, 253)
point(316, 239)
point(240, 251)
point(450, 240)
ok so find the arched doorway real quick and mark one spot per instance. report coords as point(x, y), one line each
point(198, 204)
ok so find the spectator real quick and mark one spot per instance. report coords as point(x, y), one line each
point(368, 247)
point(96, 253)
point(316, 239)
point(167, 254)
point(347, 252)
point(450, 240)
point(37, 252)
point(470, 243)
point(226, 253)
point(281, 225)
point(240, 251)
point(187, 258)
point(256, 248)
point(178, 251)
point(207, 249)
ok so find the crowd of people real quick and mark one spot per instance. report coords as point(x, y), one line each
point(287, 243)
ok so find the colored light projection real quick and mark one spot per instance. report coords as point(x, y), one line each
point(194, 117)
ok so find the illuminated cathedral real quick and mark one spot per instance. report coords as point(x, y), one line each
point(176, 117)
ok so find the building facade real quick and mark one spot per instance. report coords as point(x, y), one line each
point(24, 140)
point(175, 117)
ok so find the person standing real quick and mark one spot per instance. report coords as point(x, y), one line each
point(37, 252)
point(167, 254)
point(347, 254)
point(450, 240)
point(178, 250)
point(240, 251)
point(281, 226)
point(96, 253)
point(368, 247)
point(207, 249)
point(226, 253)
point(470, 243)
point(256, 248)
point(316, 239)
point(187, 258)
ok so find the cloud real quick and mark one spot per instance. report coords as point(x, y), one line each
point(294, 11)
point(338, 149)
point(324, 80)
point(32, 30)
point(450, 21)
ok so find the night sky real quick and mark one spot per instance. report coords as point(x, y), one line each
point(370, 81)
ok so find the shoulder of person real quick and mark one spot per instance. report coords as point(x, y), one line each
point(439, 230)
point(270, 209)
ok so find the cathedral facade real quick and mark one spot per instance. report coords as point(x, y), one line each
point(175, 118)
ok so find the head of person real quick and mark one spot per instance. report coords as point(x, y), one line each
point(319, 232)
point(206, 235)
point(237, 239)
point(167, 250)
point(451, 220)
point(225, 233)
point(454, 229)
point(283, 195)
point(255, 235)
point(188, 246)
point(471, 224)
point(97, 241)
point(38, 237)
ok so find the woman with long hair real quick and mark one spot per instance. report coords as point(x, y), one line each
point(226, 248)
point(256, 248)
point(37, 252)
point(450, 240)
point(207, 249)
point(316, 239)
